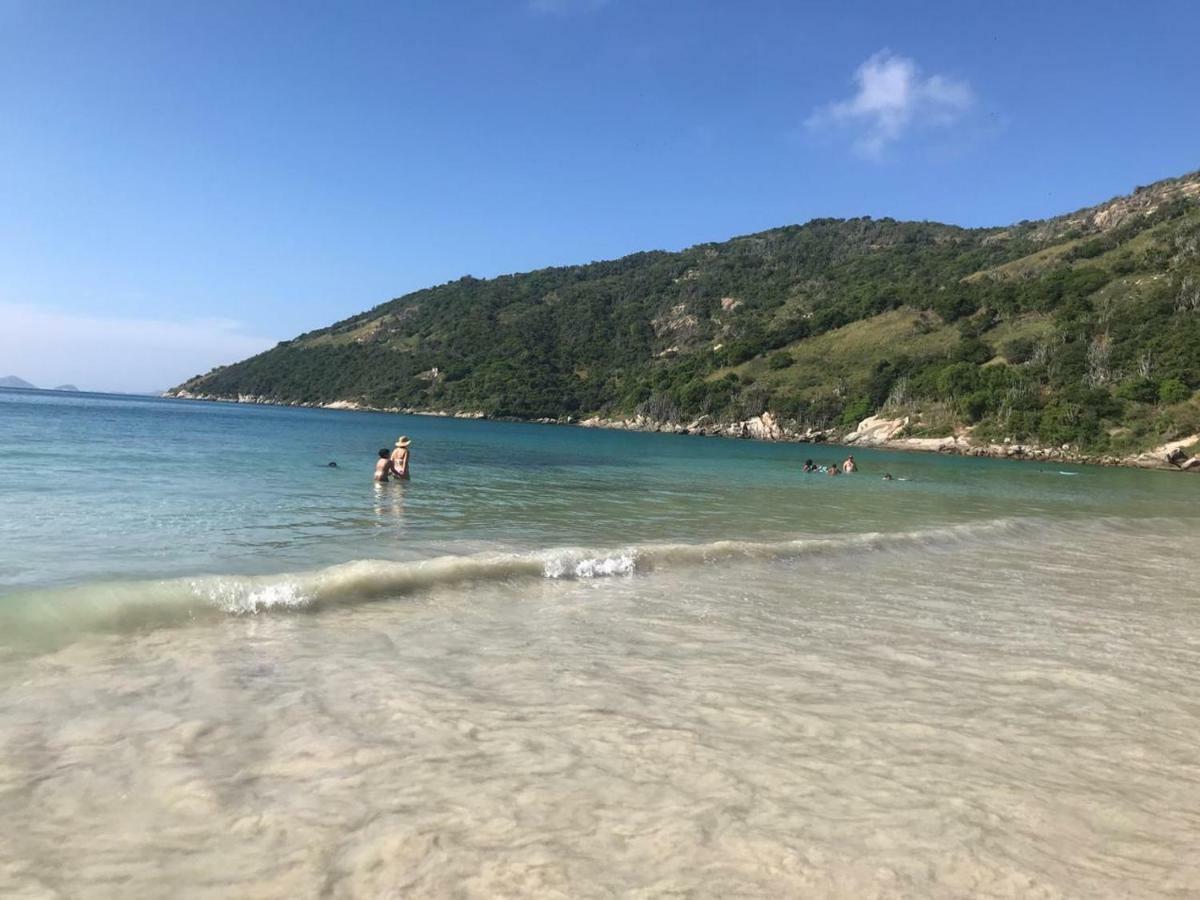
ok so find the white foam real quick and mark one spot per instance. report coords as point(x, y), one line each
point(55, 616)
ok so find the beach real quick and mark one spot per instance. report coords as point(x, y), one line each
point(574, 663)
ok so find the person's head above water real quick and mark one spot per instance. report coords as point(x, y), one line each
point(384, 453)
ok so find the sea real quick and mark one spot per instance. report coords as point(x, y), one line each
point(563, 662)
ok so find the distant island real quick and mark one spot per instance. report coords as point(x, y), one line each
point(1076, 336)
point(12, 381)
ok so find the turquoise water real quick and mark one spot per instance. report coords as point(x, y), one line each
point(572, 663)
point(97, 487)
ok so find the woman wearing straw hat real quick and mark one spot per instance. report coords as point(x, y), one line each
point(400, 457)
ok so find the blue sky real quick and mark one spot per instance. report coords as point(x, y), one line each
point(182, 184)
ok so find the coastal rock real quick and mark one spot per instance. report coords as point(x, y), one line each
point(875, 430)
point(1171, 455)
point(762, 428)
point(951, 444)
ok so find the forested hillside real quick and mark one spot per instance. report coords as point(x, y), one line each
point(1081, 330)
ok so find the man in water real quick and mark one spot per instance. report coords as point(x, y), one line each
point(384, 466)
point(809, 466)
point(849, 465)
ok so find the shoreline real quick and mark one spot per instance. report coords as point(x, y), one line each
point(873, 432)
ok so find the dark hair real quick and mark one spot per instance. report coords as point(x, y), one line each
point(808, 462)
point(383, 453)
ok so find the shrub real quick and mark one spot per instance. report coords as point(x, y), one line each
point(975, 405)
point(856, 411)
point(1019, 350)
point(1172, 390)
point(1139, 390)
point(957, 379)
point(973, 350)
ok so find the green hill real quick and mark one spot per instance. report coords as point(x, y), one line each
point(1081, 330)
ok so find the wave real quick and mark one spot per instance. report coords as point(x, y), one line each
point(53, 617)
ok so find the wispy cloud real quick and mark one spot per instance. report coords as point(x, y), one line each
point(563, 7)
point(893, 96)
point(51, 347)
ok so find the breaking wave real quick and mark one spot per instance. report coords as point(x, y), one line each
point(54, 617)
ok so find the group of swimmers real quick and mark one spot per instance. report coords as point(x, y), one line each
point(832, 469)
point(848, 466)
point(393, 463)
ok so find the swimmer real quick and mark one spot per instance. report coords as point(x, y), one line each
point(832, 470)
point(887, 476)
point(849, 465)
point(809, 466)
point(384, 466)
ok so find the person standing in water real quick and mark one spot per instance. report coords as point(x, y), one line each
point(400, 458)
point(384, 466)
point(849, 465)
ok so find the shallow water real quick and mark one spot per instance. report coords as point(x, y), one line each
point(567, 663)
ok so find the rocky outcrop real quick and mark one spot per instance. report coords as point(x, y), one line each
point(1172, 455)
point(887, 434)
point(1116, 212)
point(876, 430)
point(762, 428)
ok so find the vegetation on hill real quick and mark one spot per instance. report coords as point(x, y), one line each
point(1081, 330)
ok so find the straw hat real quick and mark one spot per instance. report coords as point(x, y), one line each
point(403, 441)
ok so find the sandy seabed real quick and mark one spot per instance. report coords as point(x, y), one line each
point(1008, 717)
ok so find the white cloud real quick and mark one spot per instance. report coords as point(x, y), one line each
point(893, 96)
point(50, 347)
point(562, 7)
